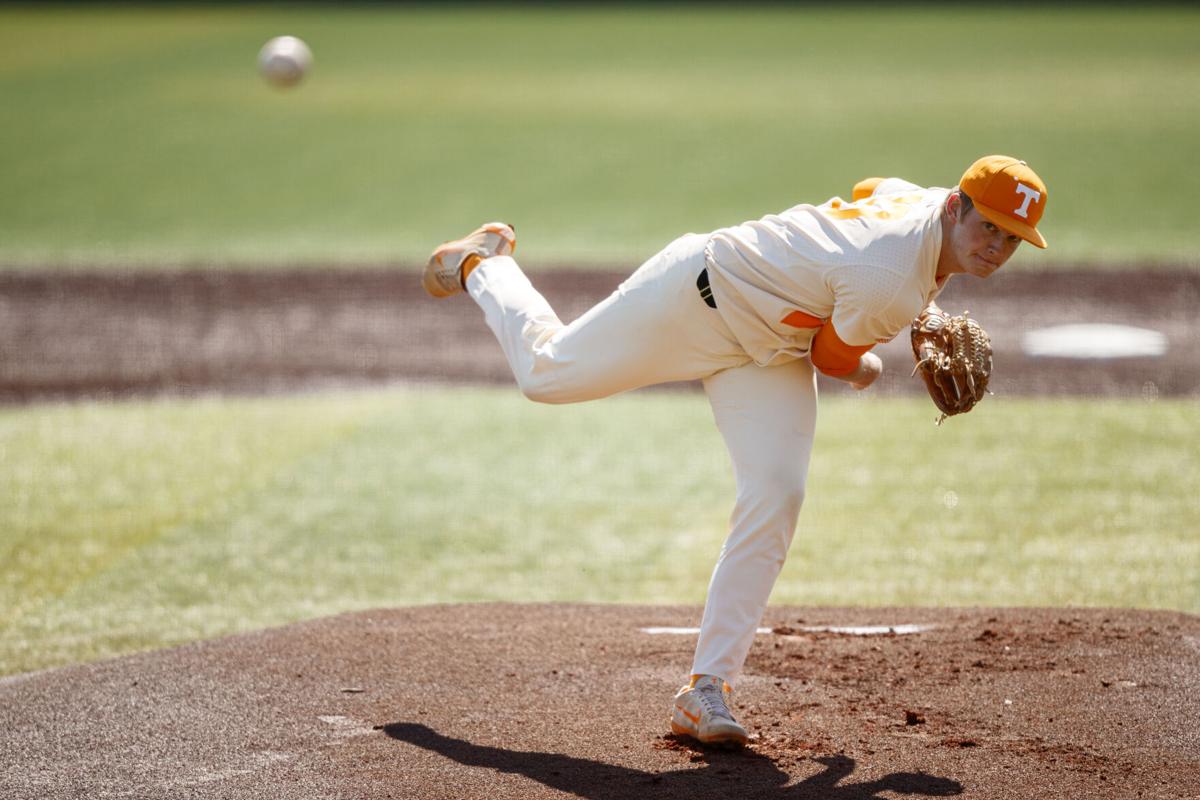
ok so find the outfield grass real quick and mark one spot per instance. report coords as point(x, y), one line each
point(143, 136)
point(143, 524)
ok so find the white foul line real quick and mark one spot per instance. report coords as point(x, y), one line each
point(849, 630)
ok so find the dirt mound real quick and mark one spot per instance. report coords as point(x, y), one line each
point(529, 701)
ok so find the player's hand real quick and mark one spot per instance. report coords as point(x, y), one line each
point(870, 367)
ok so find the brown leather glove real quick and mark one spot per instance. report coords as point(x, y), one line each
point(954, 357)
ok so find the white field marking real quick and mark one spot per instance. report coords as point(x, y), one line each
point(346, 728)
point(1094, 341)
point(870, 630)
point(849, 630)
point(685, 631)
point(259, 760)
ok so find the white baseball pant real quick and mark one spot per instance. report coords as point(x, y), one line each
point(655, 328)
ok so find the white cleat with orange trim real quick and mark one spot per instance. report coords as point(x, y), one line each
point(448, 267)
point(701, 711)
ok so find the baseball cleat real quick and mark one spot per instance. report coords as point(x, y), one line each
point(701, 711)
point(446, 272)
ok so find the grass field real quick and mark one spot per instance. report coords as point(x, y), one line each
point(141, 524)
point(143, 136)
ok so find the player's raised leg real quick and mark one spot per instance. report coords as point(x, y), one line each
point(767, 417)
point(654, 328)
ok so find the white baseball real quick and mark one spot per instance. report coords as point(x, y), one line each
point(870, 367)
point(284, 60)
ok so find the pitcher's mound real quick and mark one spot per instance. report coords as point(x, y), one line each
point(528, 701)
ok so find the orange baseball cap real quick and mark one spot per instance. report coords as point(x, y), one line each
point(1007, 193)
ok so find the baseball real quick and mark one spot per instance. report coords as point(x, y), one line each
point(284, 60)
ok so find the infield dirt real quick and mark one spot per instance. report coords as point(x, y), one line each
point(66, 335)
point(537, 701)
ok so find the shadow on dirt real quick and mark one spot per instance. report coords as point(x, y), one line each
point(726, 773)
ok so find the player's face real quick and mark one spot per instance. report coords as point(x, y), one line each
point(981, 246)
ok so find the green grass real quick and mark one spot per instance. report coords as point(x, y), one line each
point(142, 524)
point(143, 136)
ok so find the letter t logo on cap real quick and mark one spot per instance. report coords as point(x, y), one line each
point(1031, 196)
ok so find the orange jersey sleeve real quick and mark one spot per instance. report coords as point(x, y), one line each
point(833, 356)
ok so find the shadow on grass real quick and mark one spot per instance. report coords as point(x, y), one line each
point(725, 774)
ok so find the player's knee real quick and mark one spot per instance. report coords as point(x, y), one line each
point(540, 394)
point(557, 386)
point(543, 391)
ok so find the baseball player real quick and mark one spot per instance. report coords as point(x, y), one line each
point(751, 311)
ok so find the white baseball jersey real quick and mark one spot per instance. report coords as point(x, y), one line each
point(869, 266)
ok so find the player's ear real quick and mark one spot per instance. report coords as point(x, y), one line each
point(950, 207)
point(954, 206)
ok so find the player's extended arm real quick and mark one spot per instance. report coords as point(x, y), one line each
point(854, 364)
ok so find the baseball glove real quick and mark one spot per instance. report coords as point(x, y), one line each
point(954, 357)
